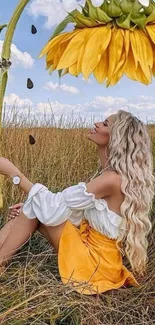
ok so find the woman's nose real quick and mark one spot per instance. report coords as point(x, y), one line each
point(97, 124)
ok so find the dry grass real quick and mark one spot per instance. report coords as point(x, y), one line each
point(31, 290)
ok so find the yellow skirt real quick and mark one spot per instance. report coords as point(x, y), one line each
point(91, 262)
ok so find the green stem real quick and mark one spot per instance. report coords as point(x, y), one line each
point(6, 52)
point(11, 28)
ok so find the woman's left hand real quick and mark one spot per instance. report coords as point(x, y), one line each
point(7, 167)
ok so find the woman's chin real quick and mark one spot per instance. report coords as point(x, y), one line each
point(91, 137)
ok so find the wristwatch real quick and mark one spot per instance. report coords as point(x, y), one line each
point(16, 180)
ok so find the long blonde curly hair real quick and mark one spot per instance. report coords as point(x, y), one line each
point(129, 154)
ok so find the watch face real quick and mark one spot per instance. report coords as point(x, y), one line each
point(16, 180)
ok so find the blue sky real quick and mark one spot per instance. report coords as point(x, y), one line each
point(75, 94)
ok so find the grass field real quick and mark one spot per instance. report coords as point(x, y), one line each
point(30, 289)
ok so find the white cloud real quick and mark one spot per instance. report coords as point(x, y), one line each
point(55, 107)
point(98, 109)
point(19, 58)
point(55, 11)
point(52, 10)
point(62, 87)
point(111, 101)
point(13, 99)
point(89, 111)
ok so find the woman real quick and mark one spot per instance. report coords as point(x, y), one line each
point(112, 211)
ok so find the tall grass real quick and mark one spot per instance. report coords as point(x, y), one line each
point(30, 288)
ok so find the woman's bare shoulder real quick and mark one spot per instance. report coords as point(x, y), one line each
point(104, 185)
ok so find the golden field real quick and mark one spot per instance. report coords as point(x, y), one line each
point(30, 289)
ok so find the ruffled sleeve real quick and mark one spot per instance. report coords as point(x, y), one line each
point(55, 208)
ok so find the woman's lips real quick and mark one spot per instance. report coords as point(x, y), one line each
point(92, 131)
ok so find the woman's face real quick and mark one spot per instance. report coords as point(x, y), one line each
point(101, 132)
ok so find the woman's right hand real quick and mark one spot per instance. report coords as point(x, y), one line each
point(14, 211)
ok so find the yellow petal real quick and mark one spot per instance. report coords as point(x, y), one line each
point(151, 31)
point(115, 51)
point(73, 69)
point(59, 53)
point(95, 47)
point(130, 66)
point(153, 68)
point(134, 46)
point(148, 47)
point(134, 73)
point(127, 41)
point(51, 69)
point(70, 56)
point(101, 70)
point(51, 54)
point(54, 42)
point(123, 57)
point(64, 72)
point(141, 77)
point(119, 71)
point(80, 58)
point(48, 64)
point(82, 51)
point(139, 48)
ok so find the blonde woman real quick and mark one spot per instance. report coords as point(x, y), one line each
point(91, 225)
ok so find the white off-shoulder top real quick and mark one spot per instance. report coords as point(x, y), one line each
point(74, 204)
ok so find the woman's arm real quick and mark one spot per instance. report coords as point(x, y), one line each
point(55, 208)
point(101, 186)
point(9, 169)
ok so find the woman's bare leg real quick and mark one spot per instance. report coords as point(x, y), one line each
point(17, 231)
point(14, 234)
point(52, 234)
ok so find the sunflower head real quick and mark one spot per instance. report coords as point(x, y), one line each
point(122, 13)
point(109, 41)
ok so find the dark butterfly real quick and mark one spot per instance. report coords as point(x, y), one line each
point(33, 29)
point(31, 139)
point(5, 64)
point(29, 83)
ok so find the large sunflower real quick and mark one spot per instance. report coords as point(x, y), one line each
point(115, 39)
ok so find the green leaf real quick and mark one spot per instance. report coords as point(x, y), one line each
point(151, 18)
point(64, 23)
point(2, 26)
point(92, 10)
point(60, 73)
point(102, 16)
point(139, 20)
point(124, 21)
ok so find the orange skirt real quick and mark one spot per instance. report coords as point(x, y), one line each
point(91, 262)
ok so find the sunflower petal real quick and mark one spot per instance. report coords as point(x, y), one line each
point(54, 42)
point(119, 71)
point(70, 56)
point(130, 66)
point(96, 45)
point(139, 47)
point(151, 31)
point(143, 53)
point(115, 55)
point(101, 70)
point(73, 69)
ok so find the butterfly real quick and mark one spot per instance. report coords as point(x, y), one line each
point(33, 29)
point(29, 83)
point(31, 140)
point(5, 64)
